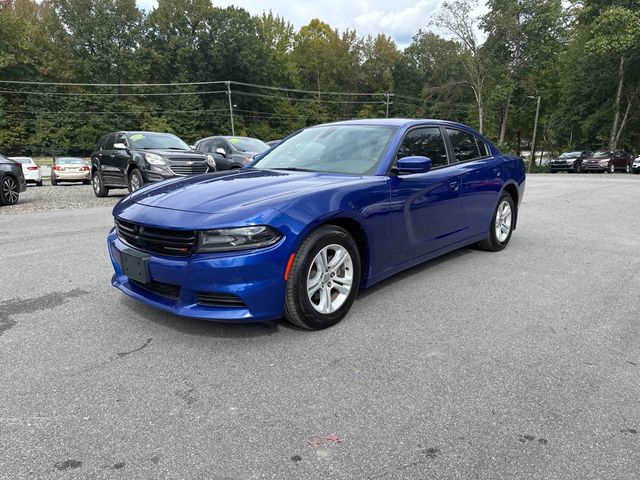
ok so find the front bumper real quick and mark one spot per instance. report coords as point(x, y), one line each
point(256, 277)
point(635, 168)
point(563, 167)
point(595, 167)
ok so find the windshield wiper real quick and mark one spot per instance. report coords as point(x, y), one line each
point(293, 169)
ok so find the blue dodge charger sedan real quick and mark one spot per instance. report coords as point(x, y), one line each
point(332, 209)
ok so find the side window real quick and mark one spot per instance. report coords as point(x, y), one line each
point(424, 142)
point(466, 146)
point(101, 142)
point(110, 141)
point(121, 138)
point(219, 143)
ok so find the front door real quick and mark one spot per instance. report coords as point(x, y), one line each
point(424, 206)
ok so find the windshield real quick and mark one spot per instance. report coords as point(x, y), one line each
point(245, 144)
point(70, 160)
point(354, 149)
point(160, 141)
point(602, 154)
point(570, 155)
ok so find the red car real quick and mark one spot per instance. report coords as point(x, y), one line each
point(607, 161)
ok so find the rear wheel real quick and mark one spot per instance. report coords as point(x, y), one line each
point(501, 225)
point(98, 185)
point(135, 180)
point(323, 280)
point(9, 191)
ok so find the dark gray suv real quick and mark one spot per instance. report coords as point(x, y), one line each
point(12, 181)
point(133, 159)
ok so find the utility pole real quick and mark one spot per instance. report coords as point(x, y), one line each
point(535, 130)
point(388, 102)
point(233, 129)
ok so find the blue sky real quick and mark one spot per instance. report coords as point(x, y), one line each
point(399, 19)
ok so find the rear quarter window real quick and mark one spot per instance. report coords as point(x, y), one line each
point(466, 146)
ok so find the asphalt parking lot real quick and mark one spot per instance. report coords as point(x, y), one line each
point(518, 364)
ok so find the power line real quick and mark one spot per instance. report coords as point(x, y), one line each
point(88, 94)
point(182, 84)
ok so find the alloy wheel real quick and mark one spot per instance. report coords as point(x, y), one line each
point(330, 278)
point(503, 221)
point(96, 184)
point(134, 181)
point(10, 190)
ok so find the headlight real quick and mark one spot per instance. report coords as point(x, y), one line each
point(154, 159)
point(211, 161)
point(243, 238)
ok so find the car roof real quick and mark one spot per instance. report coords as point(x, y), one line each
point(397, 122)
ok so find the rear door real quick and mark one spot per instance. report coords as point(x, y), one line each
point(424, 206)
point(120, 159)
point(482, 178)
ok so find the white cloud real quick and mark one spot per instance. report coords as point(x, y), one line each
point(400, 19)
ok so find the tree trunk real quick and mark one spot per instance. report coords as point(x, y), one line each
point(503, 127)
point(613, 142)
point(623, 123)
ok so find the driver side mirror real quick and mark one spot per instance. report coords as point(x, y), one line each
point(221, 151)
point(119, 146)
point(414, 164)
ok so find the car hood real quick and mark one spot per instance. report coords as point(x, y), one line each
point(232, 190)
point(597, 159)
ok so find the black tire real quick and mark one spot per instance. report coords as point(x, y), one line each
point(612, 168)
point(135, 180)
point(299, 309)
point(9, 191)
point(54, 182)
point(492, 243)
point(97, 184)
point(39, 184)
point(86, 182)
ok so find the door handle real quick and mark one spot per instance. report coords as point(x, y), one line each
point(455, 185)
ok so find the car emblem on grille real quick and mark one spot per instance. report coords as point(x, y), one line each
point(189, 162)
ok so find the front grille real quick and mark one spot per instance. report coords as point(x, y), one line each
point(188, 166)
point(176, 243)
point(220, 300)
point(160, 288)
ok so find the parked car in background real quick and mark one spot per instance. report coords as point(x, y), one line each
point(335, 208)
point(133, 159)
point(636, 165)
point(569, 162)
point(30, 169)
point(12, 181)
point(231, 152)
point(70, 169)
point(607, 161)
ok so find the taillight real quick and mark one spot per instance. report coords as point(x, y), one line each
point(19, 164)
point(32, 168)
point(57, 168)
point(85, 169)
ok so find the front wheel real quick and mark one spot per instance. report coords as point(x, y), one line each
point(627, 168)
point(501, 225)
point(98, 185)
point(324, 279)
point(612, 168)
point(135, 180)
